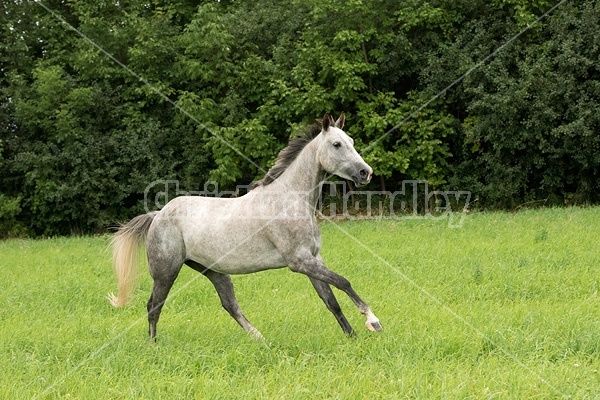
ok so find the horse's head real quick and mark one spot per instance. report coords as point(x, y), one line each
point(337, 154)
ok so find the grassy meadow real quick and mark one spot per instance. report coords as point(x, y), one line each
point(505, 307)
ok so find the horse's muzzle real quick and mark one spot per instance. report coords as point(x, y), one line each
point(363, 175)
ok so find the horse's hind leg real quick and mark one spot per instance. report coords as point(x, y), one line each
point(326, 294)
point(160, 291)
point(165, 264)
point(224, 287)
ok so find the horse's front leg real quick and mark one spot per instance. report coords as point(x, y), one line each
point(326, 294)
point(313, 267)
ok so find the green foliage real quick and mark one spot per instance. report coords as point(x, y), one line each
point(9, 210)
point(531, 131)
point(190, 91)
point(87, 137)
point(410, 137)
point(525, 12)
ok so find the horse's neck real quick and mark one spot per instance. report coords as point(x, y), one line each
point(304, 174)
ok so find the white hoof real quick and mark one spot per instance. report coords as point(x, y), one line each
point(374, 325)
point(255, 334)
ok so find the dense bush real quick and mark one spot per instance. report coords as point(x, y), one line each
point(174, 90)
point(530, 117)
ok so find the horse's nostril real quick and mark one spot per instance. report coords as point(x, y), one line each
point(364, 173)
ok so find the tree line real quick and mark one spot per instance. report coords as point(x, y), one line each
point(100, 98)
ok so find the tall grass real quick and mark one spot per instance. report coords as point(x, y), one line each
point(505, 307)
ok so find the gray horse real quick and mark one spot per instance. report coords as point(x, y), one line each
point(272, 226)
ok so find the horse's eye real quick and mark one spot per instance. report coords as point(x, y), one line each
point(337, 145)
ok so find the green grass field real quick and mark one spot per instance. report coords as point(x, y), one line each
point(505, 307)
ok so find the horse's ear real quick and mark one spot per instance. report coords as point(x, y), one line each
point(326, 122)
point(340, 121)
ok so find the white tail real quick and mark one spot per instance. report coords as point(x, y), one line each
point(126, 245)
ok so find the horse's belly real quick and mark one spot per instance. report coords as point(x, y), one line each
point(245, 265)
point(229, 257)
point(225, 235)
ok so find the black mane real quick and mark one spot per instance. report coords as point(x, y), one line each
point(289, 154)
